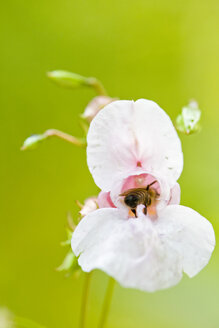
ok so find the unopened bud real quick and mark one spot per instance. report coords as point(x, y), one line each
point(33, 141)
point(68, 79)
point(95, 105)
point(90, 205)
point(188, 121)
point(69, 263)
point(72, 80)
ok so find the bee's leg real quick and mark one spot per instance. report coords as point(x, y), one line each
point(145, 210)
point(148, 203)
point(148, 186)
point(134, 212)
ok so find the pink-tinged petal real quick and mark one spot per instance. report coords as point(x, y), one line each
point(104, 200)
point(175, 194)
point(90, 205)
point(95, 105)
point(190, 234)
point(128, 135)
point(129, 250)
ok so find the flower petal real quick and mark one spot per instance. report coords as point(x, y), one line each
point(128, 250)
point(175, 194)
point(104, 200)
point(95, 105)
point(144, 254)
point(190, 234)
point(127, 134)
point(90, 205)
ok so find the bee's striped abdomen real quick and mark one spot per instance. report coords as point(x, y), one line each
point(135, 197)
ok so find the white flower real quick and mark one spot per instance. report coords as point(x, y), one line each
point(133, 145)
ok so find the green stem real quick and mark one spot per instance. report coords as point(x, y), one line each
point(65, 136)
point(98, 86)
point(107, 303)
point(84, 300)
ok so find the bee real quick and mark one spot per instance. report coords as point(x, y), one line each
point(137, 196)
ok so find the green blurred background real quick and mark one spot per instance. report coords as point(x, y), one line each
point(162, 50)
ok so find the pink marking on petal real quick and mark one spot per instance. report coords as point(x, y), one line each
point(104, 200)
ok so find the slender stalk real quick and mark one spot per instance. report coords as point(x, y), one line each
point(64, 136)
point(98, 86)
point(107, 303)
point(84, 300)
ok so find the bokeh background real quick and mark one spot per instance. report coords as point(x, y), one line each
point(162, 50)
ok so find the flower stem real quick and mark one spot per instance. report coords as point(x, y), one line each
point(84, 300)
point(98, 86)
point(107, 303)
point(64, 136)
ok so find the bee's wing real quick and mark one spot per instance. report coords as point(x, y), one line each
point(133, 190)
point(125, 193)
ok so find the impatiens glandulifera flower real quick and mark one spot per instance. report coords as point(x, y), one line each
point(143, 238)
point(94, 106)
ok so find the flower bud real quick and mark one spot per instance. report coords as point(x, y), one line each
point(188, 121)
point(68, 79)
point(95, 105)
point(90, 205)
point(69, 263)
point(33, 141)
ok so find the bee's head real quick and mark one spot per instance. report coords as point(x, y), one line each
point(131, 200)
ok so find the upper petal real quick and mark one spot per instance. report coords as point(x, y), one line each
point(128, 250)
point(190, 234)
point(128, 134)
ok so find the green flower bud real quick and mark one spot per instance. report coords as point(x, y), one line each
point(68, 79)
point(188, 121)
point(72, 80)
point(69, 264)
point(69, 236)
point(33, 141)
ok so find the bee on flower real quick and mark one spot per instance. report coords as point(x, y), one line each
point(139, 235)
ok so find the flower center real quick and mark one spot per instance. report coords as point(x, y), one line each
point(141, 190)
